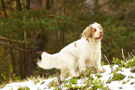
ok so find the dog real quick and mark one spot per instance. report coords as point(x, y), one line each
point(85, 52)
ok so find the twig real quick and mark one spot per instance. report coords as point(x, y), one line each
point(123, 55)
point(106, 59)
point(132, 54)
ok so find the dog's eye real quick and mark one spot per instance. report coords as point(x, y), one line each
point(95, 30)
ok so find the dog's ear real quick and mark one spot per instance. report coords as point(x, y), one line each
point(87, 33)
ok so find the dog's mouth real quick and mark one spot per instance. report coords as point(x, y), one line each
point(100, 37)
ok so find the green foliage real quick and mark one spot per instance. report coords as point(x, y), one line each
point(116, 36)
point(121, 63)
point(97, 84)
point(123, 82)
point(115, 60)
point(132, 83)
point(23, 88)
point(3, 75)
point(37, 81)
point(53, 84)
point(15, 77)
point(42, 83)
point(130, 63)
point(73, 81)
point(116, 77)
point(76, 87)
point(98, 75)
point(28, 21)
point(70, 82)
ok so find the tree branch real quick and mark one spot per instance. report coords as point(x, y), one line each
point(28, 51)
point(14, 41)
point(50, 16)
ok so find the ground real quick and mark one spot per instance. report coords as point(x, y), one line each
point(117, 77)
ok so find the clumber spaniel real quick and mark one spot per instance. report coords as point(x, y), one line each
point(82, 53)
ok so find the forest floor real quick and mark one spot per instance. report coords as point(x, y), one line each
point(117, 77)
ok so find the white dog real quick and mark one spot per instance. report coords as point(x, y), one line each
point(83, 53)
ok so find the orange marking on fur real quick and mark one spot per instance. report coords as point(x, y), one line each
point(75, 44)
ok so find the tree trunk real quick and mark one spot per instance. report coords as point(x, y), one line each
point(20, 66)
point(4, 7)
point(13, 60)
point(49, 4)
point(18, 5)
point(36, 4)
point(37, 41)
point(37, 45)
point(25, 54)
point(27, 4)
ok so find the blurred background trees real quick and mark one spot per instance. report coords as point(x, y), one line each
point(28, 27)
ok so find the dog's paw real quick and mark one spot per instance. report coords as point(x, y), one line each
point(82, 70)
point(101, 70)
point(74, 75)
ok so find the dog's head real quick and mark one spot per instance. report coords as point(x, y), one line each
point(94, 31)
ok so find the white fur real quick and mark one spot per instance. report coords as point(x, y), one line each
point(62, 60)
point(82, 53)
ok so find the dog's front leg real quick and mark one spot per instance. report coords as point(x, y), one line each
point(100, 69)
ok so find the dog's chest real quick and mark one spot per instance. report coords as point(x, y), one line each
point(94, 52)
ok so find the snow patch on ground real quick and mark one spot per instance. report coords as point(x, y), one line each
point(128, 83)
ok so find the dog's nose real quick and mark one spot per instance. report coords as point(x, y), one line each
point(100, 32)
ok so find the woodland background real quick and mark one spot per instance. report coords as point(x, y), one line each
point(28, 27)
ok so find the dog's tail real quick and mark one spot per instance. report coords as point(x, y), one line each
point(45, 61)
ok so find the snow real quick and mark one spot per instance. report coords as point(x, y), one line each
point(43, 84)
point(30, 84)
